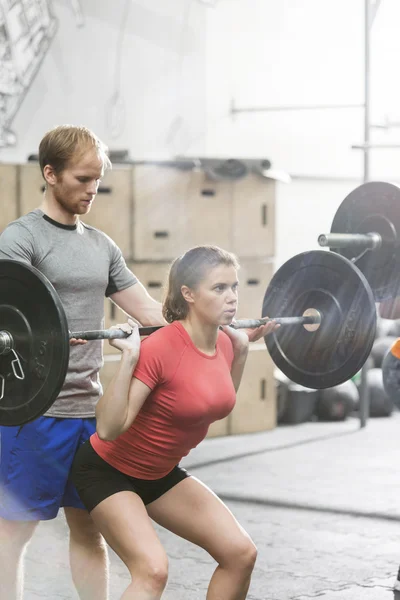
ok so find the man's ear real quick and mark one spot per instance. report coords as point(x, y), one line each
point(50, 175)
point(187, 294)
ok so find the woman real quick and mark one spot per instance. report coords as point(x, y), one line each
point(185, 376)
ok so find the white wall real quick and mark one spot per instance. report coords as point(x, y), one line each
point(290, 52)
point(286, 52)
point(161, 77)
point(305, 209)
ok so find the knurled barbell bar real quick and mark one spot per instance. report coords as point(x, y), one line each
point(366, 230)
point(326, 296)
point(310, 320)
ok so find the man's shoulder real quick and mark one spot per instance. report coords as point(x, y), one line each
point(26, 222)
point(98, 233)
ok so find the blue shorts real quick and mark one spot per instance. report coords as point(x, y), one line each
point(35, 463)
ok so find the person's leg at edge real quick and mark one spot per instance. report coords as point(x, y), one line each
point(88, 555)
point(14, 538)
point(195, 513)
point(124, 522)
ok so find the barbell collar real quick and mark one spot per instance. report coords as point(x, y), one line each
point(364, 241)
point(6, 342)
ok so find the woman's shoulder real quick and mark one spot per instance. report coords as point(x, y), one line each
point(167, 334)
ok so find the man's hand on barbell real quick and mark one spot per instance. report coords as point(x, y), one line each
point(75, 342)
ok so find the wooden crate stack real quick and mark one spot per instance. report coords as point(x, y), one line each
point(154, 213)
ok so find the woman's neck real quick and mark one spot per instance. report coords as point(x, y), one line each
point(203, 335)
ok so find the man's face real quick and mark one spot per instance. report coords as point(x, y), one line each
point(76, 186)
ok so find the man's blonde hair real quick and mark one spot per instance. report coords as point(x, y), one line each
point(67, 143)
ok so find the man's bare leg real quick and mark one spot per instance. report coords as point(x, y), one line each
point(14, 538)
point(88, 556)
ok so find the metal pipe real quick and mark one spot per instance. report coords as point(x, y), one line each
point(350, 240)
point(367, 85)
point(255, 109)
point(369, 15)
point(372, 145)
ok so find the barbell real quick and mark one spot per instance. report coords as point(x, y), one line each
point(366, 229)
point(323, 302)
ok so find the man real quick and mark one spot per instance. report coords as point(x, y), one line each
point(84, 265)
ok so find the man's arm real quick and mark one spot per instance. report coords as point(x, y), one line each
point(137, 302)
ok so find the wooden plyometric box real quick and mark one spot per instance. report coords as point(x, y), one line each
point(8, 195)
point(254, 278)
point(208, 212)
point(31, 187)
point(255, 408)
point(159, 195)
point(153, 275)
point(112, 208)
point(253, 216)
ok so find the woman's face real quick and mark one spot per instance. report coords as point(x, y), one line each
point(215, 298)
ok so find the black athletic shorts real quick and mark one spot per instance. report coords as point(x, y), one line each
point(96, 480)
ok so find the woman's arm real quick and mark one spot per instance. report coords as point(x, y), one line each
point(124, 397)
point(238, 365)
point(122, 400)
point(240, 345)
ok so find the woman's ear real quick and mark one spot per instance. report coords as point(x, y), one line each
point(187, 294)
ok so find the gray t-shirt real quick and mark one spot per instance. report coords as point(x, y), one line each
point(84, 265)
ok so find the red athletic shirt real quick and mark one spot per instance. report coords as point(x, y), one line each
point(190, 390)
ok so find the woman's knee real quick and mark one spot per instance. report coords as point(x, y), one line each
point(241, 555)
point(151, 571)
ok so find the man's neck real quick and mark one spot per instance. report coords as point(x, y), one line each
point(52, 209)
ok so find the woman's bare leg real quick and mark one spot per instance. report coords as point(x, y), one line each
point(125, 525)
point(195, 513)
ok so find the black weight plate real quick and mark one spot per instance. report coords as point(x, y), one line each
point(373, 207)
point(335, 352)
point(31, 311)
